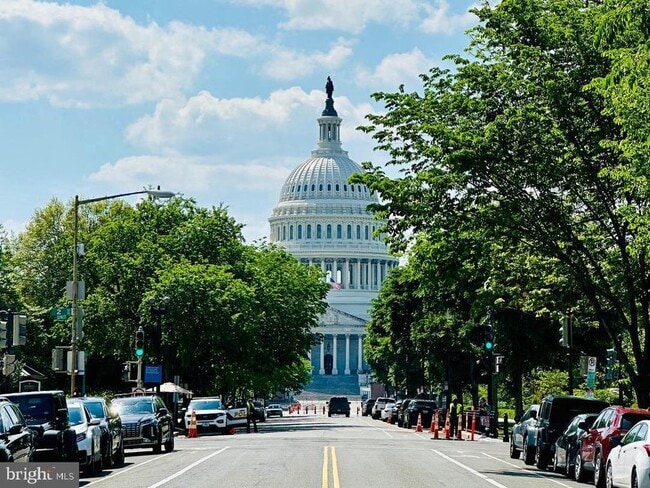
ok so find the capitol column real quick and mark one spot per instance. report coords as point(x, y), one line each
point(345, 275)
point(378, 274)
point(347, 354)
point(321, 371)
point(359, 357)
point(334, 368)
point(357, 275)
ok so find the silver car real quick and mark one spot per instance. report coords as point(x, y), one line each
point(89, 436)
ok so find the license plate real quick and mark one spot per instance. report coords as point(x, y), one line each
point(425, 411)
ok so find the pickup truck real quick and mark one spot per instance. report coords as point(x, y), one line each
point(555, 413)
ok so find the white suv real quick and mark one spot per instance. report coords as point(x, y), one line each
point(212, 414)
point(379, 406)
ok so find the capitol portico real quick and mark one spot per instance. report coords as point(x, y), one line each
point(323, 220)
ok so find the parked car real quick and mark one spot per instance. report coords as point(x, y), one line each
point(146, 421)
point(379, 405)
point(555, 413)
point(110, 424)
point(419, 409)
point(46, 413)
point(520, 430)
point(400, 412)
point(395, 411)
point(17, 441)
point(89, 437)
point(210, 414)
point(338, 405)
point(366, 408)
point(628, 464)
point(568, 444)
point(606, 432)
point(387, 411)
point(274, 410)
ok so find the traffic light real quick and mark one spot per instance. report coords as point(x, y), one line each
point(139, 342)
point(3, 334)
point(488, 336)
point(610, 372)
point(19, 330)
point(564, 332)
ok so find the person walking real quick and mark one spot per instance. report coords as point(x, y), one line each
point(453, 417)
point(250, 408)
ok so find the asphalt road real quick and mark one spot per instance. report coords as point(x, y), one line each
point(315, 451)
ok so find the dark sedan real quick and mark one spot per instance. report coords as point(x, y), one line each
point(422, 410)
point(567, 445)
point(17, 441)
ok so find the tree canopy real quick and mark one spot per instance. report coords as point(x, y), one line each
point(531, 157)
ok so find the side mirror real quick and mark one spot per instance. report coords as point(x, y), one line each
point(15, 429)
point(533, 414)
point(62, 415)
point(162, 412)
point(94, 421)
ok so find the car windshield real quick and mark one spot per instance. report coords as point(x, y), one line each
point(76, 415)
point(95, 409)
point(35, 408)
point(274, 406)
point(423, 404)
point(212, 404)
point(137, 407)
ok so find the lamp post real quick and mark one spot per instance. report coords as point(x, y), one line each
point(75, 271)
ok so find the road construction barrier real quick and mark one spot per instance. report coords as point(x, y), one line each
point(192, 432)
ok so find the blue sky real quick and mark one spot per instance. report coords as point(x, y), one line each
point(214, 99)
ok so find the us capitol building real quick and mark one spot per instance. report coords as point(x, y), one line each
point(323, 221)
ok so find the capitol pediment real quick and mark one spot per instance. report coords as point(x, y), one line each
point(337, 318)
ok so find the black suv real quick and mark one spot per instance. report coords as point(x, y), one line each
point(555, 414)
point(146, 422)
point(111, 427)
point(46, 413)
point(17, 441)
point(338, 405)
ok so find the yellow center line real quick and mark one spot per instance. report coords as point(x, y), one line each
point(335, 468)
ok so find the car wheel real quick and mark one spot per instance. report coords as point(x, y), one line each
point(119, 455)
point(169, 445)
point(529, 452)
point(568, 467)
point(599, 479)
point(157, 448)
point(108, 451)
point(609, 478)
point(578, 471)
point(514, 452)
point(540, 458)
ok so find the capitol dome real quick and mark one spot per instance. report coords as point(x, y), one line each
point(323, 220)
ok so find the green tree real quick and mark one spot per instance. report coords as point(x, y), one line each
point(538, 128)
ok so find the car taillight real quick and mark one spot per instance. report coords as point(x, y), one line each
point(647, 449)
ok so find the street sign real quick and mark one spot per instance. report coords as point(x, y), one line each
point(61, 313)
point(153, 374)
point(591, 372)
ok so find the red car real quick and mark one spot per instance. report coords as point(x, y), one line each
point(605, 433)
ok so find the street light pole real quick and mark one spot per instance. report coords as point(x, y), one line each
point(75, 271)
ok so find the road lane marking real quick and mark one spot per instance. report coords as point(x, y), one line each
point(335, 468)
point(471, 470)
point(187, 468)
point(540, 475)
point(122, 471)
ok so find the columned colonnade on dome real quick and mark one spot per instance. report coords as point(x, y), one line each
point(355, 273)
point(340, 354)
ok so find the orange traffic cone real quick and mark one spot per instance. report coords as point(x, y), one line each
point(418, 428)
point(191, 432)
point(434, 425)
point(459, 427)
point(447, 427)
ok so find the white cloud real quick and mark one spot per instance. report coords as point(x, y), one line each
point(439, 19)
point(79, 56)
point(239, 127)
point(288, 64)
point(396, 69)
point(344, 15)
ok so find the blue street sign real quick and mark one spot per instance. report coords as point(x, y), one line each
point(153, 374)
